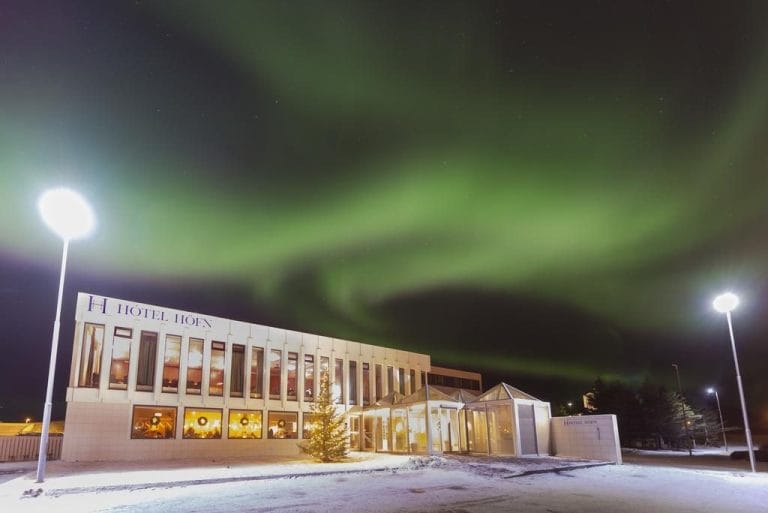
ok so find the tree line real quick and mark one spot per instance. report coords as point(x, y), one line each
point(650, 416)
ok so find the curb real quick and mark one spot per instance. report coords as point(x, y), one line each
point(557, 470)
point(58, 492)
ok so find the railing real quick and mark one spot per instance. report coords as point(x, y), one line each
point(25, 448)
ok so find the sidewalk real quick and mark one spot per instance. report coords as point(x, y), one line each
point(65, 478)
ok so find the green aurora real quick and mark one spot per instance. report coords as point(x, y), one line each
point(337, 160)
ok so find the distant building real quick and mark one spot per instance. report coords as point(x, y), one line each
point(455, 379)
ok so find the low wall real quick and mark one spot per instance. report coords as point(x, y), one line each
point(26, 448)
point(592, 437)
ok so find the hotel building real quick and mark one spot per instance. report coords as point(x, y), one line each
point(148, 382)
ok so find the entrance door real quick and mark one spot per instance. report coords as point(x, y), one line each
point(449, 424)
point(368, 433)
point(527, 429)
point(381, 433)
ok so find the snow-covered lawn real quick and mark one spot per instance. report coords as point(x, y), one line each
point(410, 484)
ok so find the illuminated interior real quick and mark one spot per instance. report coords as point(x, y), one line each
point(153, 422)
point(202, 423)
point(283, 425)
point(244, 424)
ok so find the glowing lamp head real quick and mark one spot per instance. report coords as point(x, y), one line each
point(710, 390)
point(66, 213)
point(725, 303)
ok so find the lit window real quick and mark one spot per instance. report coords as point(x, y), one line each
point(378, 382)
point(121, 358)
point(90, 356)
point(293, 359)
point(216, 383)
point(202, 423)
point(390, 379)
point(352, 382)
point(275, 364)
point(366, 384)
point(401, 379)
point(145, 372)
point(195, 366)
point(244, 424)
point(283, 425)
point(171, 363)
point(413, 380)
point(338, 381)
point(309, 377)
point(257, 372)
point(237, 374)
point(153, 422)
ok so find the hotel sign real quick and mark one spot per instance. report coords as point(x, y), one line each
point(137, 312)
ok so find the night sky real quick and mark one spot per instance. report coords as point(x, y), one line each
point(545, 192)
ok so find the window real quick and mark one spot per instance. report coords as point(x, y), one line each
point(257, 372)
point(423, 378)
point(202, 423)
point(309, 377)
point(145, 372)
point(413, 381)
point(325, 365)
point(338, 381)
point(390, 379)
point(195, 366)
point(309, 423)
point(171, 363)
point(401, 379)
point(216, 383)
point(153, 422)
point(283, 425)
point(123, 332)
point(293, 363)
point(352, 382)
point(121, 358)
point(244, 424)
point(275, 357)
point(366, 384)
point(90, 356)
point(378, 382)
point(237, 373)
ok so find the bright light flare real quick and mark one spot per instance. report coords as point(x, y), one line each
point(66, 213)
point(725, 303)
point(710, 390)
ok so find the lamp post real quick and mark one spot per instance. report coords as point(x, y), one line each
point(68, 215)
point(711, 391)
point(682, 407)
point(726, 303)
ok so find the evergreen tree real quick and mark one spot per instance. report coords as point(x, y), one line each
point(328, 437)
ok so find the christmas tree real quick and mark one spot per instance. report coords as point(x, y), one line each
point(328, 435)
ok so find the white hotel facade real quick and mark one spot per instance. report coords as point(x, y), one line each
point(148, 382)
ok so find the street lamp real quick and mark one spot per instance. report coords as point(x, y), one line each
point(711, 391)
point(68, 215)
point(725, 303)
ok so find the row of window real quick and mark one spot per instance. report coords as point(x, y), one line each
point(93, 344)
point(454, 382)
point(154, 422)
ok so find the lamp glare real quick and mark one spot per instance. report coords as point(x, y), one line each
point(725, 303)
point(66, 213)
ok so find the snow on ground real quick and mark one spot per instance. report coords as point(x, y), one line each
point(455, 484)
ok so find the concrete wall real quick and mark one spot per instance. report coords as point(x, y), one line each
point(592, 437)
